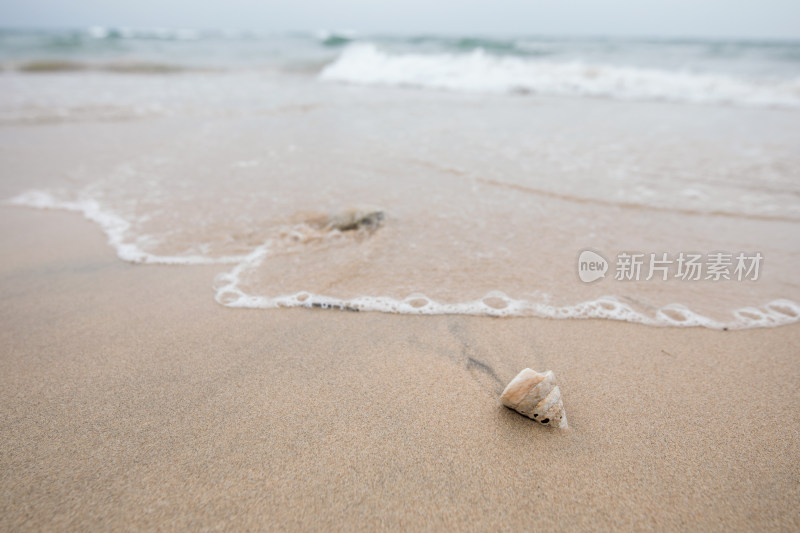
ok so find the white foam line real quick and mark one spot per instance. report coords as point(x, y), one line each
point(230, 294)
point(115, 228)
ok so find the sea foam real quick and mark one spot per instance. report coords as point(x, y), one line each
point(229, 291)
point(478, 71)
point(116, 229)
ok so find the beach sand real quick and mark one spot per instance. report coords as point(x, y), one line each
point(129, 399)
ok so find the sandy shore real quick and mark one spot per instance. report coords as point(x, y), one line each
point(129, 399)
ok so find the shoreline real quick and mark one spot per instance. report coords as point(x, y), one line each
point(130, 398)
point(495, 303)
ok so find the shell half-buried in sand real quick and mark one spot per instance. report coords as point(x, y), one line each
point(365, 217)
point(536, 396)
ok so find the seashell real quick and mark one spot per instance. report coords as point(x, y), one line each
point(536, 396)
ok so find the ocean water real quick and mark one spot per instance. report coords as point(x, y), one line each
point(493, 162)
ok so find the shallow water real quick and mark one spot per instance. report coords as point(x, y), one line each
point(489, 195)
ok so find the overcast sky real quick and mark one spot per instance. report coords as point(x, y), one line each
point(700, 18)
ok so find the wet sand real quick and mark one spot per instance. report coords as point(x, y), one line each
point(129, 399)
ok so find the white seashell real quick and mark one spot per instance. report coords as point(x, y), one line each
point(536, 396)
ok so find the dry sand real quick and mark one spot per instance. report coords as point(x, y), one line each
point(129, 399)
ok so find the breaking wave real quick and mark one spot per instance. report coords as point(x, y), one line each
point(482, 72)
